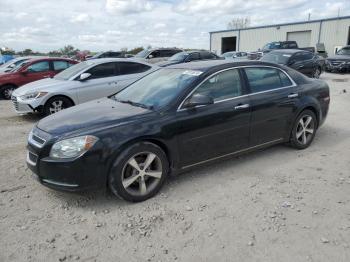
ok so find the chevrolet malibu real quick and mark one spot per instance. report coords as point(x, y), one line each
point(172, 120)
point(78, 84)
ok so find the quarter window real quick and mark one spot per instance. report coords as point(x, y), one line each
point(102, 70)
point(127, 68)
point(263, 79)
point(39, 67)
point(222, 86)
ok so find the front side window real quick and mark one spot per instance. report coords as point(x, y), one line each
point(222, 86)
point(126, 68)
point(155, 54)
point(39, 67)
point(60, 65)
point(193, 57)
point(263, 79)
point(102, 70)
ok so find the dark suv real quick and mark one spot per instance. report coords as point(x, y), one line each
point(189, 56)
point(157, 54)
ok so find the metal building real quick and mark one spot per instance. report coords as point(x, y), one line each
point(333, 32)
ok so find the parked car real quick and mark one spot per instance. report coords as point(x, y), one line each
point(108, 54)
point(8, 66)
point(235, 55)
point(156, 55)
point(175, 119)
point(340, 62)
point(305, 62)
point(276, 45)
point(78, 84)
point(189, 56)
point(30, 71)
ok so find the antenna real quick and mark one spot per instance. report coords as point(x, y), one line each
point(309, 17)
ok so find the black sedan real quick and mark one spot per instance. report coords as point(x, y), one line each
point(340, 62)
point(174, 119)
point(189, 56)
point(305, 62)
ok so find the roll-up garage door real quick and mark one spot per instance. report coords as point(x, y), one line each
point(303, 38)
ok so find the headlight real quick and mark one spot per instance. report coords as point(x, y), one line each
point(72, 147)
point(33, 95)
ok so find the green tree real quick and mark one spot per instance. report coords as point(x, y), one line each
point(27, 52)
point(68, 50)
point(135, 50)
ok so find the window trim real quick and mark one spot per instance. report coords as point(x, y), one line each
point(179, 108)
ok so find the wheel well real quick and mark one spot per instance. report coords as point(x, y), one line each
point(8, 84)
point(61, 96)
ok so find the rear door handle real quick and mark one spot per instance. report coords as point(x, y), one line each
point(241, 106)
point(293, 95)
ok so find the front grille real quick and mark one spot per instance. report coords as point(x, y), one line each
point(32, 158)
point(336, 62)
point(38, 139)
point(14, 101)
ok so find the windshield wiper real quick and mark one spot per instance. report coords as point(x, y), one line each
point(135, 104)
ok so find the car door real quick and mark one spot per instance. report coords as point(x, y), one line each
point(273, 100)
point(130, 72)
point(101, 83)
point(36, 71)
point(211, 131)
point(302, 62)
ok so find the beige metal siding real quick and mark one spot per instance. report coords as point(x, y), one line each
point(303, 38)
point(333, 33)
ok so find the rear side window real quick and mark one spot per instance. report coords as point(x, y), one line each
point(115, 54)
point(39, 67)
point(60, 65)
point(102, 70)
point(193, 57)
point(222, 86)
point(127, 68)
point(263, 79)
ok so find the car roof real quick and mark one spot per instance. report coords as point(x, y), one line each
point(111, 59)
point(288, 51)
point(49, 58)
point(207, 65)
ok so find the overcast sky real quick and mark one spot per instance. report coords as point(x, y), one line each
point(97, 25)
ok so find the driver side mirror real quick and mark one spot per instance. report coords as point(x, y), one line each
point(291, 62)
point(84, 76)
point(150, 56)
point(198, 100)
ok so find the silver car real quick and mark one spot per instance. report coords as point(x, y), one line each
point(80, 83)
point(10, 65)
point(156, 55)
point(235, 55)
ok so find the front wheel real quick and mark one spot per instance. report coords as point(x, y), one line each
point(139, 172)
point(304, 130)
point(6, 91)
point(56, 104)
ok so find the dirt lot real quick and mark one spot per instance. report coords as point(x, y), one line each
point(273, 205)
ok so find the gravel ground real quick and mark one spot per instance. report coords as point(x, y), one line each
point(278, 204)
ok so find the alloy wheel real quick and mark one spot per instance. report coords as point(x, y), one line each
point(305, 129)
point(8, 92)
point(142, 173)
point(56, 106)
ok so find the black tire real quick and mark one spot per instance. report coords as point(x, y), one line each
point(300, 138)
point(56, 100)
point(6, 91)
point(122, 172)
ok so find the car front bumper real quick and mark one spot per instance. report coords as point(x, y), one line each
point(26, 106)
point(85, 172)
point(335, 66)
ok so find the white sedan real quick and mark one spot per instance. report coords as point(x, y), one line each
point(80, 83)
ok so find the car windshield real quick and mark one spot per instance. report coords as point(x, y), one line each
point(12, 62)
point(278, 58)
point(142, 54)
point(344, 51)
point(179, 56)
point(273, 45)
point(157, 89)
point(19, 65)
point(72, 71)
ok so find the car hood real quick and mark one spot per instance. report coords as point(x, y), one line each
point(168, 63)
point(339, 57)
point(96, 114)
point(40, 85)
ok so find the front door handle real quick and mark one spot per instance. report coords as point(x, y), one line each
point(293, 95)
point(241, 106)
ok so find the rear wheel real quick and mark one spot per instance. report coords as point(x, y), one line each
point(304, 130)
point(317, 73)
point(56, 104)
point(6, 91)
point(139, 172)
